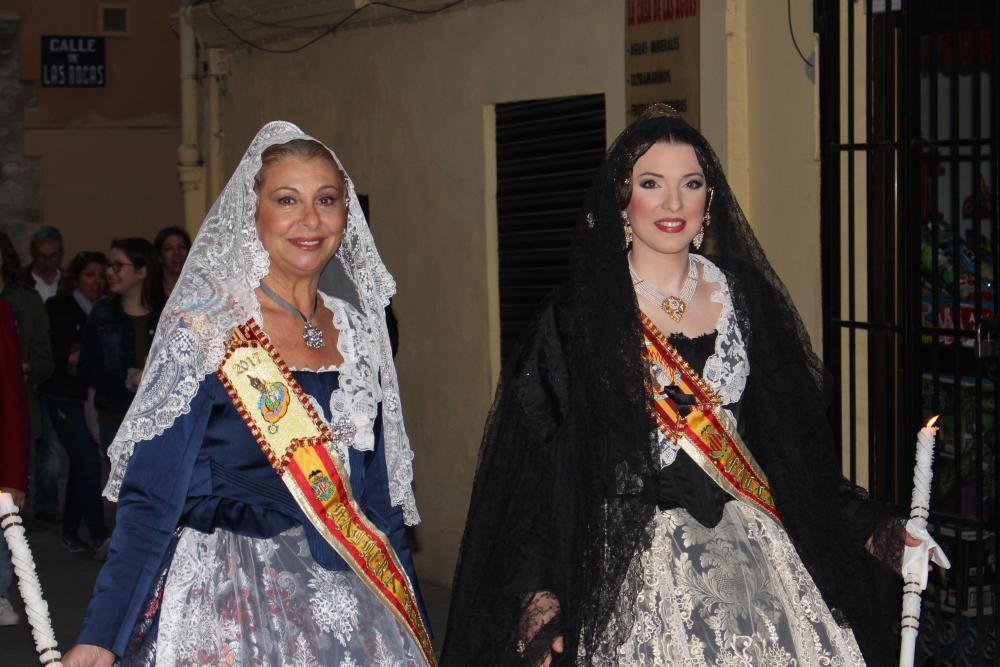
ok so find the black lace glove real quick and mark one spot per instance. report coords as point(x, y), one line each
point(683, 484)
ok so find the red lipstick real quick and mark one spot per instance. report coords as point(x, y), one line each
point(671, 225)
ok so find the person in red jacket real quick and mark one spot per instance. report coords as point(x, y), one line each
point(14, 442)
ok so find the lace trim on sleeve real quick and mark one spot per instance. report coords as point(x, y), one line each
point(887, 544)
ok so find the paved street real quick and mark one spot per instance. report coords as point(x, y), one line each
point(67, 580)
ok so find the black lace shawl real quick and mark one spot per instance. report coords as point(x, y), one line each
point(557, 512)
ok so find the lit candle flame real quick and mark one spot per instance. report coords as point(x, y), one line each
point(932, 421)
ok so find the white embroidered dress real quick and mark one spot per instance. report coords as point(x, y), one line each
point(736, 594)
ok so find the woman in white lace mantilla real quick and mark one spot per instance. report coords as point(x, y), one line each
point(658, 483)
point(216, 558)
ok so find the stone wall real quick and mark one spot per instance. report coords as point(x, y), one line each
point(20, 176)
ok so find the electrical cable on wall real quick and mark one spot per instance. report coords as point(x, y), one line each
point(325, 30)
point(792, 33)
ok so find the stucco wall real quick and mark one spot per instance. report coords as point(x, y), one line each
point(760, 112)
point(103, 183)
point(20, 183)
point(782, 127)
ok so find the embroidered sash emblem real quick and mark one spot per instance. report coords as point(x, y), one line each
point(273, 401)
point(321, 485)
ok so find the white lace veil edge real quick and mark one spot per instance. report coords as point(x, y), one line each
point(215, 293)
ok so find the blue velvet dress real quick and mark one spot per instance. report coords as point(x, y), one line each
point(202, 495)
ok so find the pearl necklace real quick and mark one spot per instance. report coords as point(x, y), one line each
point(674, 306)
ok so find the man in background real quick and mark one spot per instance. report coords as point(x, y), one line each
point(45, 269)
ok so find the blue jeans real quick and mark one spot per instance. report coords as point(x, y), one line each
point(46, 464)
point(6, 567)
point(83, 487)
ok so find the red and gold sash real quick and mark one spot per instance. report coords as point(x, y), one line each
point(298, 443)
point(706, 433)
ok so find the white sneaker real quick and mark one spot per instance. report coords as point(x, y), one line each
point(7, 614)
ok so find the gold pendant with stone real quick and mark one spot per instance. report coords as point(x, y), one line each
point(674, 307)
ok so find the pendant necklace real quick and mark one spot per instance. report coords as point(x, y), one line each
point(312, 335)
point(674, 306)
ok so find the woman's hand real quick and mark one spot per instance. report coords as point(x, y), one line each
point(18, 496)
point(557, 647)
point(539, 610)
point(88, 655)
point(911, 541)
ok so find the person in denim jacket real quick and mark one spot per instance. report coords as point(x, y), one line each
point(118, 333)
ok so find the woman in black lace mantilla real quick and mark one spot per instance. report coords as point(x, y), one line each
point(593, 536)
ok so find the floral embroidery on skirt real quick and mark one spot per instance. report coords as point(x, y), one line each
point(226, 599)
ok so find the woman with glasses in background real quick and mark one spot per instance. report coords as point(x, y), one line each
point(118, 333)
point(66, 394)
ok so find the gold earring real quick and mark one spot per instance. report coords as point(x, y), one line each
point(699, 238)
point(708, 207)
point(627, 226)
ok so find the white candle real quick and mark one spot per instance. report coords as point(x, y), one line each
point(27, 582)
point(916, 559)
point(920, 501)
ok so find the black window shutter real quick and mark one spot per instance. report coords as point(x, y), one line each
point(547, 154)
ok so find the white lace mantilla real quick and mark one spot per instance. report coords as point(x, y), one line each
point(215, 293)
point(235, 600)
point(727, 369)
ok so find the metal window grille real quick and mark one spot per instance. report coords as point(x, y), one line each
point(547, 154)
point(909, 121)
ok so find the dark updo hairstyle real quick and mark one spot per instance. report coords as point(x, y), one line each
point(142, 255)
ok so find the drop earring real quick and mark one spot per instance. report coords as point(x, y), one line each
point(699, 238)
point(627, 227)
point(706, 220)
